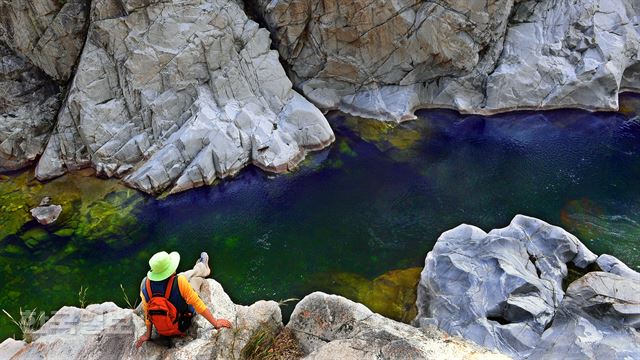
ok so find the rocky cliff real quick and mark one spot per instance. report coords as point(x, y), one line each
point(174, 95)
point(385, 59)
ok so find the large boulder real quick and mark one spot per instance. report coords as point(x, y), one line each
point(174, 95)
point(598, 319)
point(501, 289)
point(385, 59)
point(332, 327)
point(29, 101)
point(106, 331)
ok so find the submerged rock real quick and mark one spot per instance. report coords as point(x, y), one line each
point(392, 294)
point(385, 59)
point(107, 331)
point(46, 213)
point(503, 290)
point(172, 96)
point(331, 327)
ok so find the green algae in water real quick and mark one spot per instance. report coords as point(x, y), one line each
point(606, 228)
point(277, 237)
point(392, 294)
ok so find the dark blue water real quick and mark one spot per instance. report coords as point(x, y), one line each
point(376, 200)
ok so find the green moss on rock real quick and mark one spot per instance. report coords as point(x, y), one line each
point(392, 294)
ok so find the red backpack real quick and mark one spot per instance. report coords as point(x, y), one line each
point(162, 313)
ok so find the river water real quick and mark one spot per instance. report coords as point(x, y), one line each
point(375, 201)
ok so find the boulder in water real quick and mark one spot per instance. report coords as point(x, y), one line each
point(46, 213)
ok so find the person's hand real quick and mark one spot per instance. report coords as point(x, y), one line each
point(144, 338)
point(222, 323)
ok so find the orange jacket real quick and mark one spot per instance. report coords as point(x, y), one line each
point(189, 295)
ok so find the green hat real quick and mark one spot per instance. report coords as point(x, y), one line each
point(163, 265)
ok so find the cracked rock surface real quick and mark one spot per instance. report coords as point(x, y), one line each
point(598, 319)
point(49, 33)
point(40, 41)
point(385, 59)
point(503, 290)
point(174, 95)
point(29, 100)
point(328, 325)
point(105, 331)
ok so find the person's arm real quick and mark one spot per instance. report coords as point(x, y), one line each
point(144, 338)
point(191, 297)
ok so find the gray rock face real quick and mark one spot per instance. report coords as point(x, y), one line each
point(29, 101)
point(385, 59)
point(331, 327)
point(598, 319)
point(501, 289)
point(49, 33)
point(106, 331)
point(39, 45)
point(612, 265)
point(177, 95)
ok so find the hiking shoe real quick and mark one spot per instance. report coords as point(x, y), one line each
point(204, 258)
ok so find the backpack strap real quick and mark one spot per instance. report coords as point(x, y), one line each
point(148, 285)
point(167, 292)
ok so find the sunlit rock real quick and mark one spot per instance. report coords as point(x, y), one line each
point(499, 289)
point(175, 95)
point(385, 59)
point(599, 318)
point(105, 330)
point(330, 327)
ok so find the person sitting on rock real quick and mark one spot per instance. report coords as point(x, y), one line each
point(169, 301)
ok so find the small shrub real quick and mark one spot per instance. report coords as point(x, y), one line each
point(126, 299)
point(82, 296)
point(29, 322)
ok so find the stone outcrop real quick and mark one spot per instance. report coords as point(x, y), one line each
point(504, 290)
point(598, 319)
point(49, 33)
point(39, 46)
point(331, 327)
point(106, 331)
point(324, 326)
point(385, 59)
point(29, 101)
point(176, 95)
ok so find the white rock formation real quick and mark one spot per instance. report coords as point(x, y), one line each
point(503, 290)
point(598, 319)
point(385, 59)
point(331, 327)
point(106, 331)
point(175, 95)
